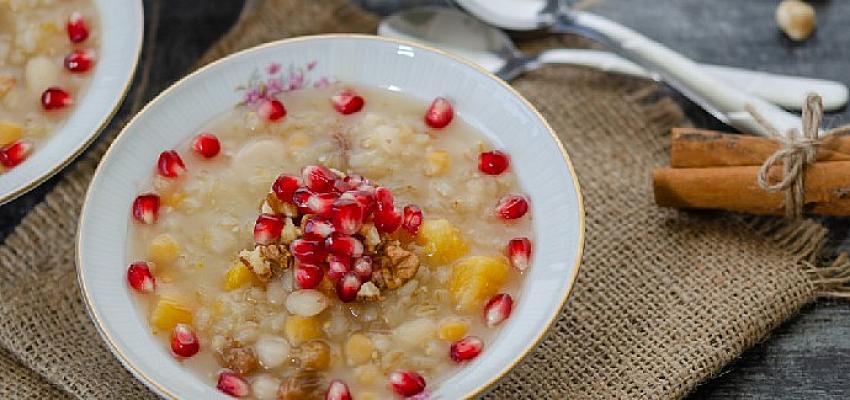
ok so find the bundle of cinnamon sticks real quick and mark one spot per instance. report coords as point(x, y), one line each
point(716, 170)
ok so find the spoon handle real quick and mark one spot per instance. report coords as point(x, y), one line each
point(787, 91)
point(726, 102)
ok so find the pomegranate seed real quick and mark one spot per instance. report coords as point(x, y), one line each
point(493, 162)
point(498, 309)
point(338, 266)
point(387, 220)
point(406, 382)
point(271, 110)
point(344, 245)
point(519, 252)
point(55, 98)
point(338, 390)
point(439, 114)
point(363, 268)
point(347, 102)
point(512, 206)
point(170, 165)
point(146, 208)
point(206, 145)
point(308, 251)
point(184, 342)
point(230, 383)
point(78, 29)
point(347, 287)
point(340, 186)
point(285, 185)
point(320, 204)
point(348, 216)
point(412, 219)
point(15, 153)
point(308, 276)
point(318, 228)
point(318, 179)
point(300, 197)
point(466, 348)
point(365, 198)
point(353, 180)
point(383, 199)
point(267, 229)
point(79, 60)
point(140, 278)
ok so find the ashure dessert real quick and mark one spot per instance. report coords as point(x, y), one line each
point(47, 53)
point(329, 241)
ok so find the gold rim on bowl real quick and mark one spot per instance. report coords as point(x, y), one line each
point(481, 389)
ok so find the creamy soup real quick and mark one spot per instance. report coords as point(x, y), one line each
point(343, 241)
point(47, 52)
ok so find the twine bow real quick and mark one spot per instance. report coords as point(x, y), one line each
point(796, 151)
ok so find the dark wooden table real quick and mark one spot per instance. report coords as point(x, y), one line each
point(807, 356)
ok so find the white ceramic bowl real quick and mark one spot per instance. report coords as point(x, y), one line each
point(490, 105)
point(121, 32)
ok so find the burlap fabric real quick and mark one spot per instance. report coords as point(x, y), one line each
point(664, 298)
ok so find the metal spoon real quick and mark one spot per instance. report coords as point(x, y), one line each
point(461, 34)
point(726, 102)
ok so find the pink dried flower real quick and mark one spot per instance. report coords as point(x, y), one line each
point(296, 80)
point(322, 82)
point(273, 68)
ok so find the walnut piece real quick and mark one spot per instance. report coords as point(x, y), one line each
point(276, 254)
point(395, 268)
point(369, 292)
point(240, 359)
point(290, 232)
point(265, 260)
point(272, 205)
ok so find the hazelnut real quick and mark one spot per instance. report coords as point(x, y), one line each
point(796, 19)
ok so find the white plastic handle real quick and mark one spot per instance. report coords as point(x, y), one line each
point(727, 102)
point(787, 91)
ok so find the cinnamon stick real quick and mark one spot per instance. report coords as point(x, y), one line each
point(697, 148)
point(734, 188)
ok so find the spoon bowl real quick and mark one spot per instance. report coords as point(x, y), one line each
point(489, 47)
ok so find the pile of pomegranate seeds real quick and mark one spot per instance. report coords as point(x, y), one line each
point(206, 145)
point(15, 153)
point(332, 210)
point(439, 114)
point(55, 98)
point(493, 162)
point(406, 383)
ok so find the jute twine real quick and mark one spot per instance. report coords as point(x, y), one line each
point(663, 301)
point(796, 151)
